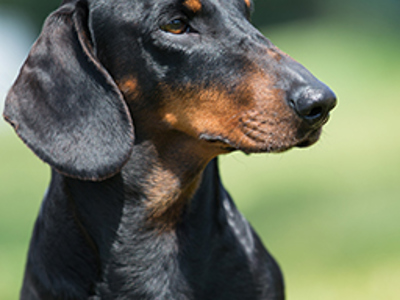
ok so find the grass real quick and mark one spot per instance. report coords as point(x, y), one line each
point(329, 214)
point(19, 205)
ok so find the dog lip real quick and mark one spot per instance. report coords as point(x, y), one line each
point(213, 139)
point(310, 139)
point(305, 144)
point(321, 123)
point(325, 120)
point(224, 142)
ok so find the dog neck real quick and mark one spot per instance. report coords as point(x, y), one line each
point(165, 169)
point(166, 176)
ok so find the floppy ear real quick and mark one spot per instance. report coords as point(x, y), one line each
point(65, 106)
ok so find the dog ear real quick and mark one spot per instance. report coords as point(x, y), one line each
point(65, 106)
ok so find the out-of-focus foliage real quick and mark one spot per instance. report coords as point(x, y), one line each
point(278, 11)
point(35, 10)
point(267, 12)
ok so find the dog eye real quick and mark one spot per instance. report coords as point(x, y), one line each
point(177, 26)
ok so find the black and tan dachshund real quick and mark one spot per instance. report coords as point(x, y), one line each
point(130, 102)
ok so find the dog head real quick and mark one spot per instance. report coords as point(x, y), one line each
point(197, 68)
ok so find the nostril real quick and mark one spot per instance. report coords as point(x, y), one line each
point(305, 110)
point(292, 104)
point(315, 113)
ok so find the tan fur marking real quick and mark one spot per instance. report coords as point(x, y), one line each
point(248, 3)
point(129, 87)
point(275, 53)
point(175, 177)
point(199, 110)
point(171, 119)
point(166, 205)
point(193, 5)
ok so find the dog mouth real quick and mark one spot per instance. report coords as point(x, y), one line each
point(302, 139)
point(313, 135)
point(266, 132)
point(310, 139)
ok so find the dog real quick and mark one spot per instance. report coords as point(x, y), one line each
point(130, 102)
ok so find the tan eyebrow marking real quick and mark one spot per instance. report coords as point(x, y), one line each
point(248, 2)
point(193, 5)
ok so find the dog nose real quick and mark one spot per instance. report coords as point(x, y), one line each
point(313, 104)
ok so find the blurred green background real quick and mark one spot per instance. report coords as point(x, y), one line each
point(330, 214)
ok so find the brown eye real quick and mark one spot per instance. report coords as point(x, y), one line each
point(177, 26)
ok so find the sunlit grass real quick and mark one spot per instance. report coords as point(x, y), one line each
point(329, 214)
point(23, 180)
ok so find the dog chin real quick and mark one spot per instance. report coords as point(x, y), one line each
point(310, 140)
